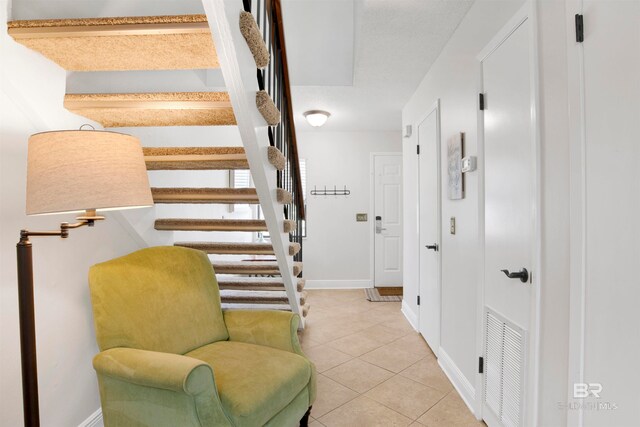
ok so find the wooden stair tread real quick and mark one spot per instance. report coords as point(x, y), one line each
point(121, 43)
point(205, 158)
point(252, 267)
point(236, 248)
point(177, 224)
point(212, 195)
point(253, 297)
point(257, 296)
point(205, 195)
point(282, 307)
point(153, 109)
point(236, 306)
point(255, 283)
point(195, 158)
point(197, 224)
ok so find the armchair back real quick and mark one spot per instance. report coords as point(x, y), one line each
point(163, 299)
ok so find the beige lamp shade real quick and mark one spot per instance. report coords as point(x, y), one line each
point(78, 170)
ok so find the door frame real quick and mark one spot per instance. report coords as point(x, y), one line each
point(372, 209)
point(531, 384)
point(435, 108)
point(578, 211)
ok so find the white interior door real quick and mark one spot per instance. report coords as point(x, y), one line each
point(429, 199)
point(387, 173)
point(509, 225)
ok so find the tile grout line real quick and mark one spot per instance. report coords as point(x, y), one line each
point(446, 393)
point(433, 406)
point(373, 400)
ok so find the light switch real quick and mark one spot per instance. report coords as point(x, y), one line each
point(452, 225)
point(361, 217)
point(469, 164)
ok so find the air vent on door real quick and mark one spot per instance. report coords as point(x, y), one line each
point(504, 364)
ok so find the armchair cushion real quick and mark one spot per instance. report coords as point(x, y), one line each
point(254, 382)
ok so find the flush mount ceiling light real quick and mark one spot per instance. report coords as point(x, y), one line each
point(317, 118)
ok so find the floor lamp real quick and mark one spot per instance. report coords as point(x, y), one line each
point(71, 171)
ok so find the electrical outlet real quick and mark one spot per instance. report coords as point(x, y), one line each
point(452, 225)
point(361, 217)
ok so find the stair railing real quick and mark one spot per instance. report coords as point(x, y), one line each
point(275, 80)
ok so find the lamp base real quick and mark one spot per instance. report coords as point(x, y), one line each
point(30, 401)
point(27, 333)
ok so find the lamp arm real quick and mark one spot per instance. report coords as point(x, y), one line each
point(63, 232)
point(89, 219)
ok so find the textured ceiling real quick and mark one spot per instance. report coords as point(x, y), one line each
point(394, 44)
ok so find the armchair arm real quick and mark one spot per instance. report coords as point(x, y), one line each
point(271, 328)
point(143, 378)
point(153, 369)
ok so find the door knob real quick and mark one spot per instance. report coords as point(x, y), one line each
point(433, 247)
point(523, 275)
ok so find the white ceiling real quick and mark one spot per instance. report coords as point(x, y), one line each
point(358, 59)
point(319, 38)
point(392, 44)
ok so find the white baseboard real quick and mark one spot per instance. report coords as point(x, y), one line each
point(459, 381)
point(337, 284)
point(94, 420)
point(411, 316)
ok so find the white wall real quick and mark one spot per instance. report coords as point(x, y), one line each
point(336, 250)
point(31, 101)
point(454, 79)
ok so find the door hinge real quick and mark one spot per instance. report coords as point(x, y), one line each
point(418, 299)
point(579, 28)
point(417, 149)
point(480, 365)
point(481, 101)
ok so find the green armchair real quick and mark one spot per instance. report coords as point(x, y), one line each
point(169, 356)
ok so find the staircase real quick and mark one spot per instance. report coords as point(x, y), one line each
point(251, 274)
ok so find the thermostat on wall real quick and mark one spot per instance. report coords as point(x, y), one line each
point(469, 164)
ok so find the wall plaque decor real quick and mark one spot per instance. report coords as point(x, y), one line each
point(455, 185)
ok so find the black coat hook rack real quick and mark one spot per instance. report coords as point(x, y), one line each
point(334, 192)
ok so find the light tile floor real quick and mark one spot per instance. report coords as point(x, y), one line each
point(373, 368)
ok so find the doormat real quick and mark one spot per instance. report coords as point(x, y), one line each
point(389, 290)
point(373, 295)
